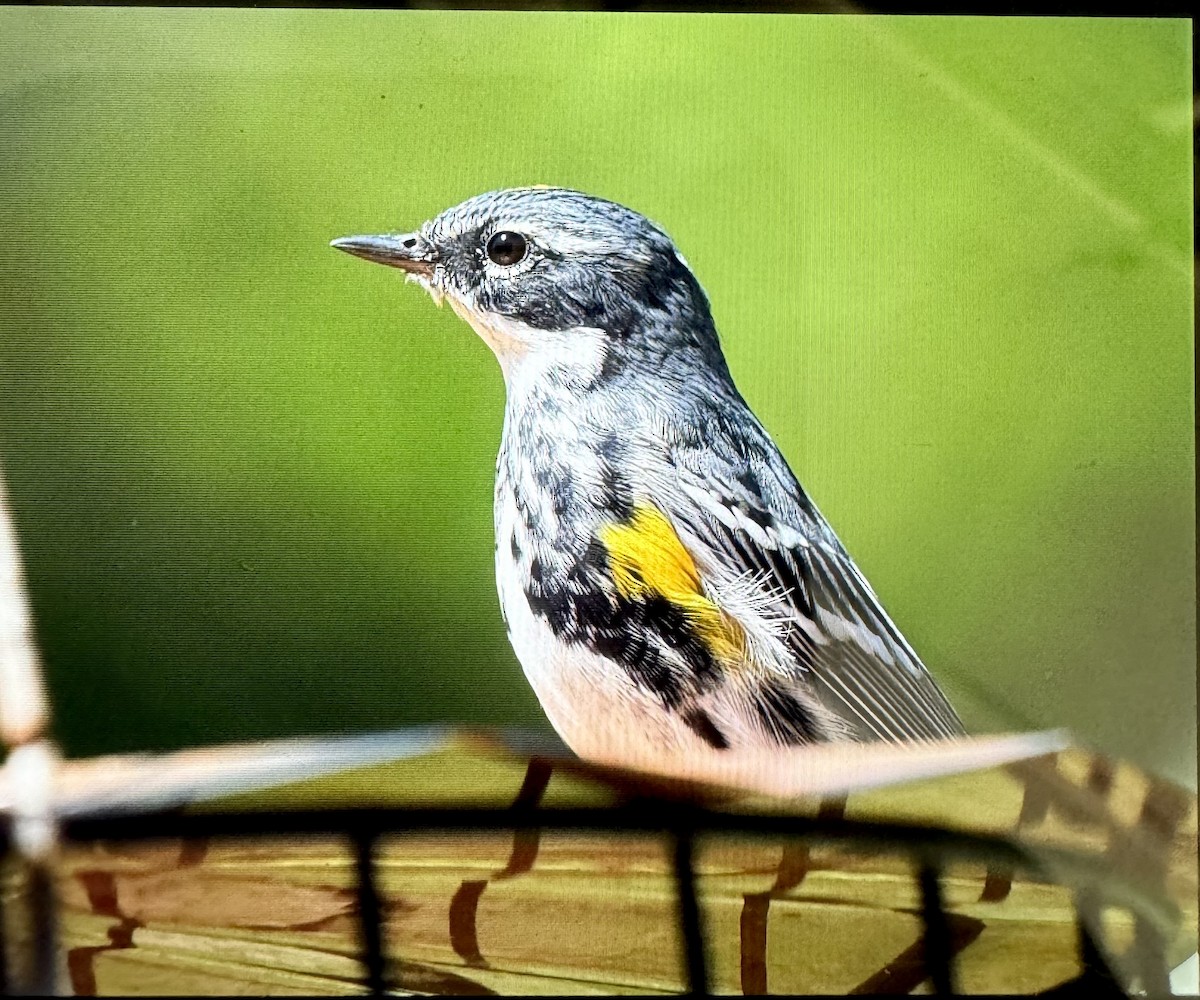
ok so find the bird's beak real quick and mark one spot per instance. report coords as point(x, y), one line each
point(408, 251)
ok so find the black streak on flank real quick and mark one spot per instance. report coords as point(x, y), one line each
point(595, 561)
point(650, 638)
point(783, 716)
point(703, 726)
point(632, 633)
point(644, 663)
point(515, 547)
point(554, 607)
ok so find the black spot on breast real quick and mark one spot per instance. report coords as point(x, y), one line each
point(699, 722)
point(514, 546)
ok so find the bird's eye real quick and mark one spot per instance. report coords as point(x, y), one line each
point(506, 248)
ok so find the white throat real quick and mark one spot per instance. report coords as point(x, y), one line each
point(530, 357)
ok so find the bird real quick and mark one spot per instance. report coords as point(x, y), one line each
point(670, 590)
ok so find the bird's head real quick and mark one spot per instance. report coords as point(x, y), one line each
point(556, 277)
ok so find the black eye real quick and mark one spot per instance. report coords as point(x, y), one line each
point(506, 248)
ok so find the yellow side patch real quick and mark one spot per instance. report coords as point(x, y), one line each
point(649, 560)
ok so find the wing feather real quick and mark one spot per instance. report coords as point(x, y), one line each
point(844, 646)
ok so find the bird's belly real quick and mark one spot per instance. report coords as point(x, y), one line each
point(590, 700)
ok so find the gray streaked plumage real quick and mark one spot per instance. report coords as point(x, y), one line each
point(619, 398)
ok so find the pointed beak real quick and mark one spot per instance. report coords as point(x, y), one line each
point(408, 251)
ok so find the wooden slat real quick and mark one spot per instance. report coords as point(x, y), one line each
point(593, 914)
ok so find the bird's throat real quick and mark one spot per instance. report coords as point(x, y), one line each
point(508, 340)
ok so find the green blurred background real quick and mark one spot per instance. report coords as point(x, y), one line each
point(950, 259)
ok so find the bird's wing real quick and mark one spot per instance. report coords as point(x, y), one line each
point(845, 647)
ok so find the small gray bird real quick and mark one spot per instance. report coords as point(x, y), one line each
point(668, 587)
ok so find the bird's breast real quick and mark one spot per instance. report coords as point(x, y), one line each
point(593, 704)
